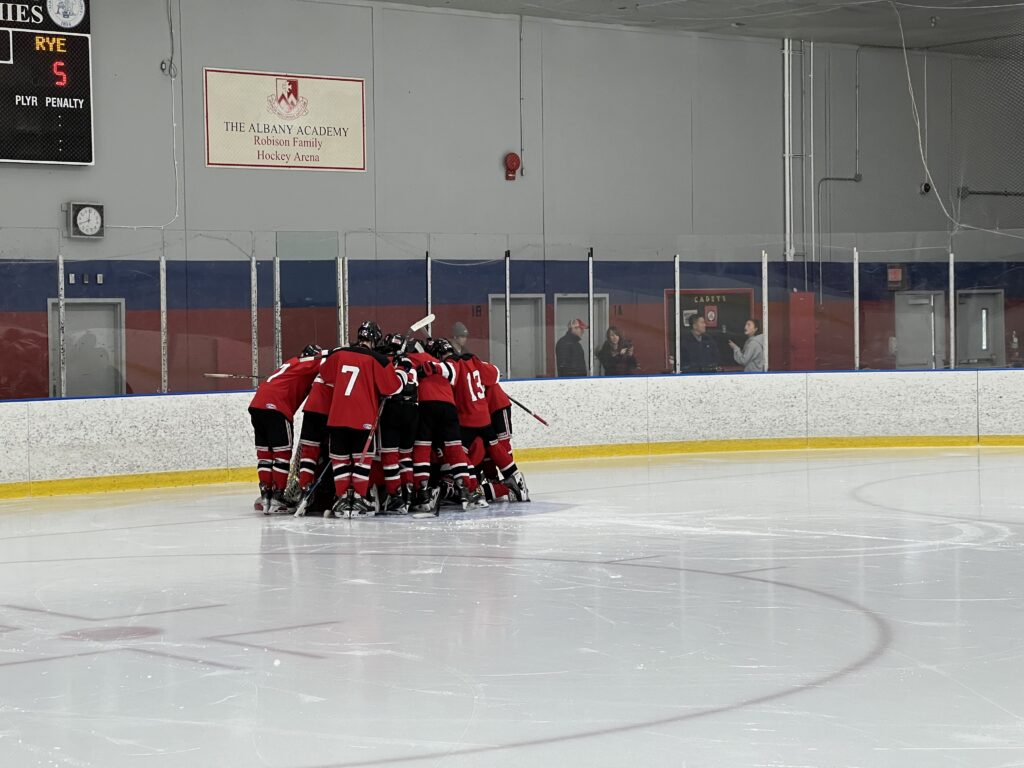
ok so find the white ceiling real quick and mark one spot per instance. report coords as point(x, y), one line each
point(927, 23)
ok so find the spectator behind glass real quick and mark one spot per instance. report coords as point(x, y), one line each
point(460, 335)
point(569, 357)
point(616, 354)
point(697, 349)
point(751, 357)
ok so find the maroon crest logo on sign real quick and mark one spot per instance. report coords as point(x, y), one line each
point(711, 315)
point(286, 103)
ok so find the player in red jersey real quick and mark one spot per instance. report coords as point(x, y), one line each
point(473, 379)
point(359, 376)
point(500, 408)
point(272, 411)
point(398, 422)
point(438, 426)
point(314, 426)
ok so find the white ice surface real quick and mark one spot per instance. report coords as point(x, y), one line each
point(794, 609)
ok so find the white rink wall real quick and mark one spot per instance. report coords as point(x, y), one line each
point(65, 439)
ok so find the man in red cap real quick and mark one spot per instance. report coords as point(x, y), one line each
point(569, 357)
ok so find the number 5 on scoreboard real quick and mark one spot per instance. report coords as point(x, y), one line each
point(354, 371)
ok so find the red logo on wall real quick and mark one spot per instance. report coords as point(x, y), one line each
point(286, 103)
point(711, 315)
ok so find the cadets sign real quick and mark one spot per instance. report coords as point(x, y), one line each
point(273, 120)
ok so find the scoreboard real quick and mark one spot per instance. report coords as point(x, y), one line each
point(46, 82)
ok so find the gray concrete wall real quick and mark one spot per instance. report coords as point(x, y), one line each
point(638, 143)
point(633, 142)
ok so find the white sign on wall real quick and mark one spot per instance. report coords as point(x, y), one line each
point(272, 120)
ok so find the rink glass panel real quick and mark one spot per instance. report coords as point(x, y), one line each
point(726, 293)
point(463, 286)
point(634, 302)
point(308, 290)
point(28, 282)
point(385, 281)
point(989, 299)
point(112, 313)
point(811, 315)
point(209, 318)
point(904, 311)
point(529, 338)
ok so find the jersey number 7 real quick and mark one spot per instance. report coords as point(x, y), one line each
point(354, 371)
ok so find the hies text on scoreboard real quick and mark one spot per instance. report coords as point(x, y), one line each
point(46, 82)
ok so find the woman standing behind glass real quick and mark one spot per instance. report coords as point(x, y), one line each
point(751, 357)
point(616, 354)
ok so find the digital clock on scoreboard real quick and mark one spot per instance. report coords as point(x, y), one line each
point(46, 82)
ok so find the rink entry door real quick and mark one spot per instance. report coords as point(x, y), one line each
point(94, 343)
point(920, 330)
point(528, 327)
point(980, 335)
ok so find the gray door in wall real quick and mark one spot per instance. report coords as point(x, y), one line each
point(569, 306)
point(980, 338)
point(527, 316)
point(920, 330)
point(94, 348)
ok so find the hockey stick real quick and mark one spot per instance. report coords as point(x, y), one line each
point(231, 376)
point(538, 418)
point(300, 510)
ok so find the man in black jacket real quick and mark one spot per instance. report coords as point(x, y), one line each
point(697, 349)
point(569, 357)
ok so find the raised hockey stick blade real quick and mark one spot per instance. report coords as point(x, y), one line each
point(538, 418)
point(423, 323)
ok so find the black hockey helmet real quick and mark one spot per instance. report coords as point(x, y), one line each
point(312, 350)
point(440, 348)
point(369, 331)
point(392, 343)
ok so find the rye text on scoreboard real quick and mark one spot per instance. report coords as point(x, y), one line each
point(46, 82)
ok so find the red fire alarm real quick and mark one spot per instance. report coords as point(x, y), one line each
point(512, 163)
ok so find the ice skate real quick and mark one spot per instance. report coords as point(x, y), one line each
point(264, 502)
point(462, 494)
point(396, 505)
point(304, 499)
point(477, 499)
point(426, 503)
point(277, 504)
point(364, 506)
point(342, 506)
point(517, 487)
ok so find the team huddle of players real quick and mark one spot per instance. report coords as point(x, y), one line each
point(406, 426)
